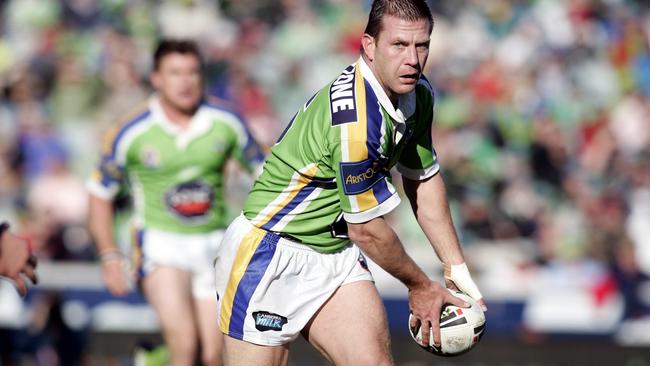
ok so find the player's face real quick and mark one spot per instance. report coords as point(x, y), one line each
point(178, 81)
point(398, 54)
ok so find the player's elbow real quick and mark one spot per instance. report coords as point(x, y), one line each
point(359, 233)
point(367, 232)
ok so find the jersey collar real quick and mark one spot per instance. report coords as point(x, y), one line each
point(405, 102)
point(199, 124)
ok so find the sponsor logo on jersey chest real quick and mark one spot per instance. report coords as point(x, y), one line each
point(192, 200)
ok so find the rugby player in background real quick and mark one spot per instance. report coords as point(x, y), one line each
point(171, 154)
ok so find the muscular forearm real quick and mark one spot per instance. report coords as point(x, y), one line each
point(101, 224)
point(429, 202)
point(379, 242)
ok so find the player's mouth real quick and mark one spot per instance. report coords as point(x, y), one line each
point(410, 78)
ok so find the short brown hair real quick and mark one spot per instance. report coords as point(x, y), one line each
point(169, 46)
point(411, 10)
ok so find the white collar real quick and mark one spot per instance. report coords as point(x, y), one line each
point(198, 125)
point(160, 117)
point(405, 102)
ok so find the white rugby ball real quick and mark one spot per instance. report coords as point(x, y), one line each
point(460, 328)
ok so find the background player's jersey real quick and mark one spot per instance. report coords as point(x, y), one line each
point(175, 175)
point(333, 160)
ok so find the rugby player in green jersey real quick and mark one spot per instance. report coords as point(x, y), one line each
point(172, 154)
point(295, 254)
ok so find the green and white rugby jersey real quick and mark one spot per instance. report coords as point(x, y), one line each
point(332, 162)
point(175, 175)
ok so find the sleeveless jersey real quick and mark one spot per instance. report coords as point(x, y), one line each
point(332, 162)
point(175, 175)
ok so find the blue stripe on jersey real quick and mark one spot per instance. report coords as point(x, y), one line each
point(301, 196)
point(373, 141)
point(426, 82)
point(380, 190)
point(125, 128)
point(140, 243)
point(106, 176)
point(374, 119)
point(286, 129)
point(248, 284)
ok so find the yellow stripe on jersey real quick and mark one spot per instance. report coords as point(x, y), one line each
point(247, 248)
point(299, 180)
point(357, 141)
point(114, 129)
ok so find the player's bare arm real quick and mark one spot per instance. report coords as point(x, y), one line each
point(101, 226)
point(434, 218)
point(426, 298)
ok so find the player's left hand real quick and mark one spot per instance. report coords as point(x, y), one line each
point(457, 277)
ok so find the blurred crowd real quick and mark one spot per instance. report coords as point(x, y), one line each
point(542, 117)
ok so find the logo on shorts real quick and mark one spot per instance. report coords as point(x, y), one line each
point(363, 263)
point(268, 321)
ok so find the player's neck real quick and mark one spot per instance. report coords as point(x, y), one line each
point(175, 115)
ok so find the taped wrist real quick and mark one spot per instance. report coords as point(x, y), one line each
point(459, 275)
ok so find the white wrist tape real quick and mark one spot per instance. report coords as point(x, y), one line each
point(459, 275)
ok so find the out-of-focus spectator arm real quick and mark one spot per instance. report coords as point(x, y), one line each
point(16, 259)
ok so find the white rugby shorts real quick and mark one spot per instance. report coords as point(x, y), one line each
point(275, 285)
point(189, 252)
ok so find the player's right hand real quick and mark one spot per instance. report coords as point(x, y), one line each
point(114, 276)
point(426, 302)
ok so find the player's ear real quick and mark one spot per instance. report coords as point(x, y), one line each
point(368, 44)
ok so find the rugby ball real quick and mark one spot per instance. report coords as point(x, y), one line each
point(460, 328)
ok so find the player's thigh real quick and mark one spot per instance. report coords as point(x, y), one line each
point(351, 327)
point(241, 353)
point(168, 291)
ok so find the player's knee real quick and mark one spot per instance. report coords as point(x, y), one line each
point(372, 359)
point(374, 355)
point(210, 357)
point(183, 346)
